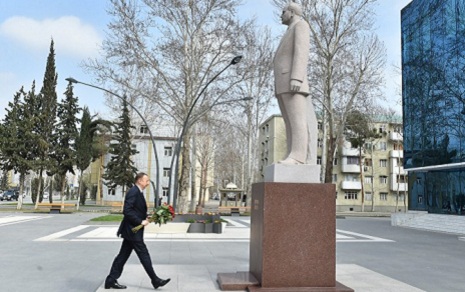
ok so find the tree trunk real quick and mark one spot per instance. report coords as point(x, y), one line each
point(63, 185)
point(193, 177)
point(22, 177)
point(79, 192)
point(38, 189)
point(361, 176)
point(50, 196)
point(183, 191)
point(372, 180)
point(330, 159)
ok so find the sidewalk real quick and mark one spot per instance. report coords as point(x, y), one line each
point(200, 257)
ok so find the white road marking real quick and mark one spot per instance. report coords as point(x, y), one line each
point(108, 233)
point(364, 237)
point(57, 235)
point(19, 219)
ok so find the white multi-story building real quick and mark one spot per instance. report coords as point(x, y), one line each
point(146, 161)
point(377, 170)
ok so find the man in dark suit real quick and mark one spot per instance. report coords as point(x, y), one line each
point(135, 213)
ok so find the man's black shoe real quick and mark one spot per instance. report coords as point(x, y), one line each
point(114, 285)
point(160, 283)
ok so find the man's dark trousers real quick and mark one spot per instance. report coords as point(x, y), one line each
point(126, 249)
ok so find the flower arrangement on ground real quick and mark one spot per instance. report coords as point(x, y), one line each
point(161, 215)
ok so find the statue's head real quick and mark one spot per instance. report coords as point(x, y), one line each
point(290, 11)
point(294, 7)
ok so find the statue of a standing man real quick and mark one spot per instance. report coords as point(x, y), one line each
point(291, 85)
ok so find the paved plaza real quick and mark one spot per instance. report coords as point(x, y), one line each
point(67, 252)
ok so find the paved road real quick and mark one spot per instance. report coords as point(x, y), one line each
point(427, 260)
point(66, 253)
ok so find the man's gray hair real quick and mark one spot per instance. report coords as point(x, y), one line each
point(295, 7)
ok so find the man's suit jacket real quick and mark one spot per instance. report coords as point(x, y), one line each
point(291, 59)
point(135, 211)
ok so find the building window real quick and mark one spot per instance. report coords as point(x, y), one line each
point(420, 199)
point(382, 163)
point(398, 147)
point(368, 146)
point(368, 196)
point(334, 178)
point(168, 151)
point(166, 172)
point(111, 191)
point(350, 195)
point(335, 161)
point(383, 179)
point(352, 177)
point(352, 160)
point(382, 129)
point(133, 146)
point(320, 143)
point(318, 160)
point(143, 130)
point(401, 179)
point(368, 179)
point(418, 180)
point(368, 162)
point(383, 146)
point(383, 196)
point(165, 192)
point(320, 126)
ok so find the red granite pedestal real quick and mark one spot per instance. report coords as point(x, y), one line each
point(293, 238)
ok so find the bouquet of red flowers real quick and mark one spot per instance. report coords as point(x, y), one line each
point(161, 215)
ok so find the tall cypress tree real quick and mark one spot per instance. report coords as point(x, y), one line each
point(65, 136)
point(47, 106)
point(120, 171)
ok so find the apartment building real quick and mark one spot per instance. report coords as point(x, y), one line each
point(377, 168)
point(145, 161)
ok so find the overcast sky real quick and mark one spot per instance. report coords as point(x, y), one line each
point(79, 27)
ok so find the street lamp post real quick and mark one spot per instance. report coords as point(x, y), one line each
point(157, 185)
point(185, 125)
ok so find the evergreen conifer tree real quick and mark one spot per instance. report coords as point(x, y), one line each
point(84, 143)
point(65, 136)
point(17, 137)
point(47, 104)
point(120, 171)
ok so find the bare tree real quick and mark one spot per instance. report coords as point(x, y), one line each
point(177, 46)
point(259, 88)
point(346, 64)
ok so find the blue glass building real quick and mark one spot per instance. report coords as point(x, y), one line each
point(433, 93)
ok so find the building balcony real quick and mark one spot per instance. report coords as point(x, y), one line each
point(396, 154)
point(351, 185)
point(394, 136)
point(402, 186)
point(350, 168)
point(350, 152)
point(398, 170)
